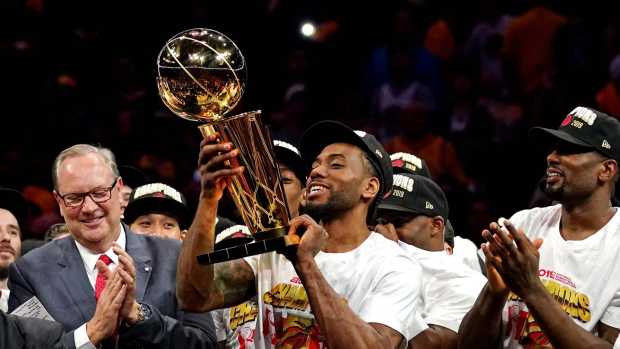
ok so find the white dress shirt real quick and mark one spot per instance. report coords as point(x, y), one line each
point(4, 299)
point(90, 259)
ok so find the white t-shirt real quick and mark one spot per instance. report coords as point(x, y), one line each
point(236, 326)
point(449, 288)
point(584, 276)
point(467, 252)
point(378, 280)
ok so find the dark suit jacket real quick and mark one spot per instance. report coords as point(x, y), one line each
point(22, 333)
point(55, 274)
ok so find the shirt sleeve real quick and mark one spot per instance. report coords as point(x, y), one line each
point(611, 316)
point(81, 338)
point(394, 300)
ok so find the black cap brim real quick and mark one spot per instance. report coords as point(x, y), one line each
point(324, 133)
point(391, 207)
point(132, 177)
point(547, 134)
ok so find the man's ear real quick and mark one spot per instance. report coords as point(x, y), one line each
point(59, 202)
point(371, 188)
point(183, 234)
point(609, 171)
point(438, 226)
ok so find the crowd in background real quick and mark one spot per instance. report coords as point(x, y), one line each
point(456, 83)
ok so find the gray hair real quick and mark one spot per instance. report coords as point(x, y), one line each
point(84, 149)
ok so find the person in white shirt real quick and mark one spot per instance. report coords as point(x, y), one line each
point(554, 271)
point(414, 215)
point(458, 246)
point(343, 286)
point(13, 210)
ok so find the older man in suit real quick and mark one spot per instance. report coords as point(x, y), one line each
point(62, 274)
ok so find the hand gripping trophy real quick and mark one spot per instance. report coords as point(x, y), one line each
point(201, 77)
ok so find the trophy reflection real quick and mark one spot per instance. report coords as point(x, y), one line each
point(202, 76)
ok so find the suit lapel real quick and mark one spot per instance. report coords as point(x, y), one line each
point(73, 275)
point(138, 250)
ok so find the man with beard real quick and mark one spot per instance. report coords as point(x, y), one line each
point(344, 286)
point(561, 292)
point(13, 210)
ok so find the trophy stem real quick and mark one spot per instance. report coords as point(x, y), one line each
point(207, 130)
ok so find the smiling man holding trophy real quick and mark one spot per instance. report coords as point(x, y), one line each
point(337, 285)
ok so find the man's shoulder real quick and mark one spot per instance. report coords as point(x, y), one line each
point(536, 215)
point(49, 252)
point(388, 255)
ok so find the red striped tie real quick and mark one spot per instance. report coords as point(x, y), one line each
point(100, 282)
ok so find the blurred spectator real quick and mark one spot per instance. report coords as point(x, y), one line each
point(404, 47)
point(56, 231)
point(527, 46)
point(417, 138)
point(132, 178)
point(608, 98)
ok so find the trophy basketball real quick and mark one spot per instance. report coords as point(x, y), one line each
point(201, 77)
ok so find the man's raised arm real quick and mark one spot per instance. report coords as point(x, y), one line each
point(202, 288)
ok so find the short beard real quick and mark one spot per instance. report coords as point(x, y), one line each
point(4, 272)
point(338, 204)
point(554, 194)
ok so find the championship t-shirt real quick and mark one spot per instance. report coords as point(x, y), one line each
point(583, 276)
point(378, 280)
point(449, 288)
point(236, 326)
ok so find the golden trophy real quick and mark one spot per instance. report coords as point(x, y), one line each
point(201, 77)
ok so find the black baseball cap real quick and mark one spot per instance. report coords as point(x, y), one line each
point(587, 128)
point(132, 177)
point(327, 132)
point(289, 155)
point(416, 194)
point(409, 163)
point(157, 197)
point(14, 202)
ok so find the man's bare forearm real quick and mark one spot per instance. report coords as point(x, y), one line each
point(194, 281)
point(341, 327)
point(481, 326)
point(202, 288)
point(561, 330)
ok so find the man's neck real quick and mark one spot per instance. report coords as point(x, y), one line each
point(4, 284)
point(347, 231)
point(579, 221)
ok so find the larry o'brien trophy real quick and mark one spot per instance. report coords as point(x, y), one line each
point(201, 77)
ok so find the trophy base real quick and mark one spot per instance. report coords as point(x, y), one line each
point(278, 244)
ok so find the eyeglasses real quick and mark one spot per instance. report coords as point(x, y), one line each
point(98, 195)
